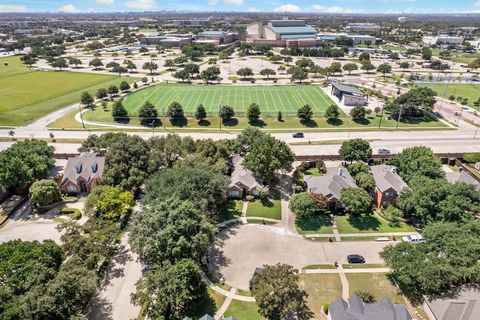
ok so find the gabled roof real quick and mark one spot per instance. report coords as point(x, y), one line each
point(85, 165)
point(346, 89)
point(356, 309)
point(332, 183)
point(386, 177)
point(242, 175)
point(463, 176)
point(462, 303)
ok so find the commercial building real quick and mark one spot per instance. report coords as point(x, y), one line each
point(362, 27)
point(282, 33)
point(219, 37)
point(443, 40)
point(167, 40)
point(357, 38)
point(349, 96)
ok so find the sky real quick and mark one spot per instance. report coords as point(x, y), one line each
point(320, 6)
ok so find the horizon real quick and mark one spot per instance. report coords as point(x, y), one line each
point(340, 7)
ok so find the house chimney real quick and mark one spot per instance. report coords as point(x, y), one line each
point(102, 152)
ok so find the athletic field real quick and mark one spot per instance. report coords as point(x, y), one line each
point(271, 99)
point(470, 91)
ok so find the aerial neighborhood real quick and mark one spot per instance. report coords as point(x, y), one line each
point(232, 160)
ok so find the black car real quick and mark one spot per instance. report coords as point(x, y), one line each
point(298, 135)
point(355, 258)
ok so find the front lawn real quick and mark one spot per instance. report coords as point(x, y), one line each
point(316, 224)
point(209, 305)
point(313, 172)
point(271, 209)
point(372, 223)
point(376, 283)
point(322, 289)
point(243, 310)
point(232, 211)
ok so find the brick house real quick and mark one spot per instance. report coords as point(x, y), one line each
point(242, 180)
point(388, 184)
point(331, 185)
point(82, 173)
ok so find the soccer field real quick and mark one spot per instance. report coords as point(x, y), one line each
point(271, 99)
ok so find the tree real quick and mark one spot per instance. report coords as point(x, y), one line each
point(60, 63)
point(96, 63)
point(297, 73)
point(384, 68)
point(358, 113)
point(192, 69)
point(278, 294)
point(358, 167)
point(357, 201)
point(418, 161)
point(210, 74)
point(150, 66)
point(119, 69)
point(305, 113)
point(118, 111)
point(349, 67)
point(109, 203)
point(168, 63)
point(302, 205)
point(124, 86)
point(101, 93)
point(170, 232)
point(253, 112)
point(426, 53)
point(355, 150)
point(245, 72)
point(365, 181)
point(416, 102)
point(44, 193)
point(86, 99)
point(267, 72)
point(226, 113)
point(25, 162)
point(200, 114)
point(147, 113)
point(335, 67)
point(175, 112)
point(268, 155)
point(112, 90)
point(332, 113)
point(130, 65)
point(287, 60)
point(364, 56)
point(182, 75)
point(405, 65)
point(367, 66)
point(170, 289)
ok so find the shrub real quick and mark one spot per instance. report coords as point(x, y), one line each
point(302, 205)
point(472, 157)
point(325, 308)
point(250, 198)
point(73, 213)
point(320, 165)
point(366, 296)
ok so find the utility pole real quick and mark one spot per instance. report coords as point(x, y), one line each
point(476, 131)
point(219, 118)
point(399, 115)
point(444, 97)
point(81, 116)
point(381, 118)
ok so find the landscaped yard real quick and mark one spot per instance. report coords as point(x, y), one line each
point(470, 91)
point(372, 223)
point(243, 310)
point(316, 224)
point(28, 95)
point(375, 283)
point(271, 209)
point(209, 305)
point(322, 289)
point(313, 172)
point(233, 211)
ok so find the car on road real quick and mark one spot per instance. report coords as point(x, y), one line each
point(355, 258)
point(383, 151)
point(298, 135)
point(414, 238)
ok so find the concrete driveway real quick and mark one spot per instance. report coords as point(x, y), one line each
point(239, 250)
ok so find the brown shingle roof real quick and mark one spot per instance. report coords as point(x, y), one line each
point(85, 165)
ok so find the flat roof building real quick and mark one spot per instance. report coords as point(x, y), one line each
point(365, 27)
point(357, 38)
point(282, 33)
point(349, 96)
point(218, 37)
point(172, 41)
point(443, 39)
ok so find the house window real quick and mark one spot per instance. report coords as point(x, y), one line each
point(234, 194)
point(71, 189)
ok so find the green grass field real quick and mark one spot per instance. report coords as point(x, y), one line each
point(272, 211)
point(470, 91)
point(271, 99)
point(28, 95)
point(365, 224)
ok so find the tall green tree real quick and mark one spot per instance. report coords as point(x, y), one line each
point(175, 111)
point(118, 111)
point(418, 161)
point(278, 294)
point(305, 113)
point(226, 113)
point(147, 113)
point(44, 192)
point(108, 202)
point(200, 113)
point(355, 150)
point(253, 112)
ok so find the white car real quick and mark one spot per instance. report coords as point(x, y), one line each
point(383, 151)
point(414, 238)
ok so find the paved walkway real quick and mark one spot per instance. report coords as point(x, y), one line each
point(244, 212)
point(225, 305)
point(341, 270)
point(226, 293)
point(335, 230)
point(343, 279)
point(364, 234)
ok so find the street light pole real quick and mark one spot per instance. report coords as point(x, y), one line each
point(399, 115)
point(381, 118)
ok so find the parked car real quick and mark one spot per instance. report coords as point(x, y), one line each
point(414, 238)
point(383, 151)
point(298, 135)
point(355, 258)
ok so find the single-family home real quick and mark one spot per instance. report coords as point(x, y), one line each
point(331, 185)
point(242, 180)
point(388, 184)
point(82, 173)
point(462, 303)
point(462, 176)
point(355, 309)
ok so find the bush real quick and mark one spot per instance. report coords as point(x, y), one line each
point(320, 165)
point(366, 296)
point(73, 213)
point(325, 308)
point(302, 205)
point(250, 198)
point(472, 157)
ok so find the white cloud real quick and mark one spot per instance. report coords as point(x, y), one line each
point(68, 8)
point(213, 2)
point(288, 8)
point(141, 4)
point(12, 8)
point(105, 2)
point(477, 4)
point(334, 9)
point(252, 9)
point(234, 2)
